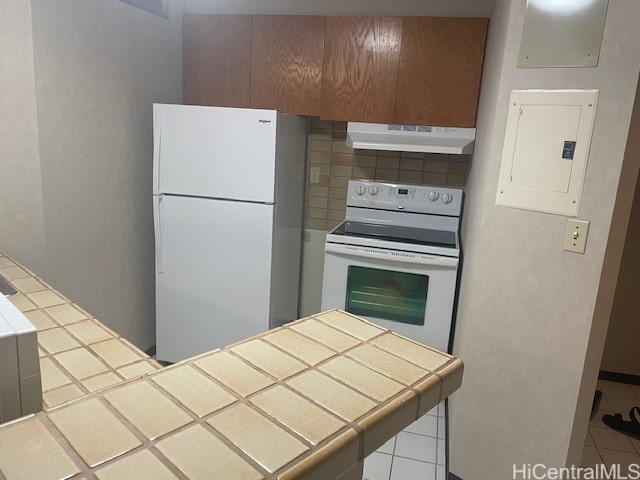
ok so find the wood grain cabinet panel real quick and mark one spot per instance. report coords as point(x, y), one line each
point(361, 58)
point(217, 60)
point(286, 63)
point(440, 70)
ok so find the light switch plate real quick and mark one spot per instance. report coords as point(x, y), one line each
point(575, 239)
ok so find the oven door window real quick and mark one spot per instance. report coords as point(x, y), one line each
point(396, 296)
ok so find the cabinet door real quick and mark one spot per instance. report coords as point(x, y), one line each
point(217, 60)
point(361, 58)
point(440, 70)
point(286, 63)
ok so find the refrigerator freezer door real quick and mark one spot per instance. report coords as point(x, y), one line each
point(214, 152)
point(215, 285)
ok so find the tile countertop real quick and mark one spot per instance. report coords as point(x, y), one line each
point(78, 354)
point(309, 400)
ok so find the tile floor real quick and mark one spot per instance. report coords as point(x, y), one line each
point(604, 445)
point(417, 453)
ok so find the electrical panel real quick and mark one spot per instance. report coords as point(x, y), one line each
point(546, 147)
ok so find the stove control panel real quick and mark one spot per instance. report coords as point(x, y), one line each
point(408, 198)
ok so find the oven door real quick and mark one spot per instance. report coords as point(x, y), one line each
point(409, 293)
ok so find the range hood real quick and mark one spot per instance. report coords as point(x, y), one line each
point(410, 138)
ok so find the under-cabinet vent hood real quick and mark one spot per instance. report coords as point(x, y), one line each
point(410, 138)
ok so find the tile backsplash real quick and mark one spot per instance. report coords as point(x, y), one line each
point(326, 199)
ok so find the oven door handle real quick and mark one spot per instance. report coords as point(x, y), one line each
point(391, 255)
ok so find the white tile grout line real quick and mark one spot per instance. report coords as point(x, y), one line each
point(393, 455)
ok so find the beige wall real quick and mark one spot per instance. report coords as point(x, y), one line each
point(467, 8)
point(21, 215)
point(527, 308)
point(621, 352)
point(312, 270)
point(99, 66)
point(606, 292)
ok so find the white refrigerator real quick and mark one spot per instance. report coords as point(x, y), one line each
point(227, 205)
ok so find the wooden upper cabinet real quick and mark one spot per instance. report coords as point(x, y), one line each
point(286, 63)
point(409, 70)
point(217, 60)
point(361, 56)
point(440, 70)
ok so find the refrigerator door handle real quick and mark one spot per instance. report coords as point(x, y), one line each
point(158, 233)
point(157, 142)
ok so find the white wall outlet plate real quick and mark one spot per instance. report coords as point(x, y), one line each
point(575, 238)
point(314, 175)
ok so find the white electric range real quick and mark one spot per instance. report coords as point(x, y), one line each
point(394, 260)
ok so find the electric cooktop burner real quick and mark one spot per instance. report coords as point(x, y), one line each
point(417, 236)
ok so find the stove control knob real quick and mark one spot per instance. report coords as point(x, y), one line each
point(446, 198)
point(433, 196)
point(373, 189)
point(361, 190)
